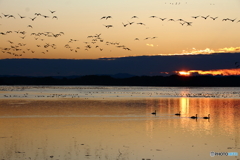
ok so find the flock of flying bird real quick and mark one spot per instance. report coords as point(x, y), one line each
point(181, 21)
point(94, 41)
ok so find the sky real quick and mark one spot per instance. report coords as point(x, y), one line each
point(76, 29)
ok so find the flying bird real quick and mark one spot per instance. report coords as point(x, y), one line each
point(205, 17)
point(134, 17)
point(125, 24)
point(214, 18)
point(153, 17)
point(52, 11)
point(162, 19)
point(5, 15)
point(33, 18)
point(54, 17)
point(195, 17)
point(21, 16)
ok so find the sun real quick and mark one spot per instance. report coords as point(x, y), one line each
point(184, 73)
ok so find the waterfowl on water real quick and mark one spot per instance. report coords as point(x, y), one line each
point(154, 112)
point(208, 117)
point(194, 117)
point(178, 114)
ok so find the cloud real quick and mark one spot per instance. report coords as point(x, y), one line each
point(141, 65)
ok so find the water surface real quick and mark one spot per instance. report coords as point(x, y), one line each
point(72, 123)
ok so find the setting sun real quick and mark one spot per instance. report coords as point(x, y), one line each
point(184, 73)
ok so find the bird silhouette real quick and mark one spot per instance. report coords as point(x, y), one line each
point(208, 117)
point(178, 114)
point(162, 19)
point(195, 17)
point(125, 24)
point(154, 113)
point(188, 23)
point(5, 15)
point(33, 18)
point(55, 17)
point(194, 117)
point(52, 11)
point(134, 17)
point(21, 16)
point(205, 17)
point(153, 17)
point(214, 18)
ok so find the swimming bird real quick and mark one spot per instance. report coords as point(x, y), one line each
point(178, 114)
point(154, 112)
point(194, 117)
point(208, 117)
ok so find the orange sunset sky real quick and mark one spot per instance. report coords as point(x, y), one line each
point(76, 31)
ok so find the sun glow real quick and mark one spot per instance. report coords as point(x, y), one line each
point(222, 72)
point(184, 73)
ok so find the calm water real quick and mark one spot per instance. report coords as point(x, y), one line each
point(115, 123)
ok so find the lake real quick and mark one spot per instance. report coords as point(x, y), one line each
point(116, 123)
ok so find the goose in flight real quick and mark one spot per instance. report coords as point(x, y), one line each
point(108, 17)
point(30, 26)
point(130, 23)
point(162, 19)
point(108, 26)
point(45, 16)
point(195, 17)
point(134, 17)
point(38, 14)
point(54, 17)
point(11, 16)
point(180, 19)
point(182, 23)
point(52, 11)
point(232, 20)
point(214, 18)
point(141, 23)
point(205, 17)
point(188, 23)
point(5, 15)
point(153, 17)
point(33, 18)
point(171, 20)
point(21, 16)
point(125, 24)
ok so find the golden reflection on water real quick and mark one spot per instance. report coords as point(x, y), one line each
point(118, 129)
